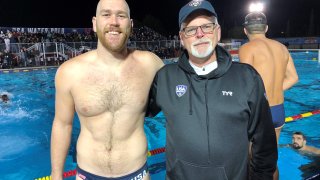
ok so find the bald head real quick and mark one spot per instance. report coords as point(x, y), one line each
point(105, 5)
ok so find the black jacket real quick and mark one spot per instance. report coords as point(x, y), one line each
point(212, 118)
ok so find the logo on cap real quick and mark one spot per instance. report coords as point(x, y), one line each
point(195, 3)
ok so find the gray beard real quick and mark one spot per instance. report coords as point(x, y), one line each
point(207, 53)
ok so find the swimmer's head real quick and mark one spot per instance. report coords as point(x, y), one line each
point(255, 18)
point(298, 140)
point(4, 98)
point(255, 23)
point(194, 6)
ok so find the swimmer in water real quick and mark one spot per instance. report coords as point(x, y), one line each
point(299, 142)
point(4, 98)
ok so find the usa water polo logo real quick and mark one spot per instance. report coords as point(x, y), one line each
point(181, 90)
point(195, 3)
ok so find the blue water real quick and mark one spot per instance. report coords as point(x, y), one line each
point(25, 126)
point(303, 97)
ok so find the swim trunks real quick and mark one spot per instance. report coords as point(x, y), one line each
point(278, 116)
point(138, 175)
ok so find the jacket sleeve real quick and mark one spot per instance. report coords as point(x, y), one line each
point(153, 109)
point(264, 153)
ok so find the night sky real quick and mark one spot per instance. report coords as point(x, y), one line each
point(282, 14)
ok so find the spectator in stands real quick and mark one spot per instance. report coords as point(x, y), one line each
point(213, 107)
point(30, 57)
point(1, 60)
point(108, 88)
point(273, 62)
point(13, 42)
point(23, 57)
point(8, 60)
point(37, 58)
point(7, 42)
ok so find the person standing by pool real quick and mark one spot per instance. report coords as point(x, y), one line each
point(272, 61)
point(213, 107)
point(108, 88)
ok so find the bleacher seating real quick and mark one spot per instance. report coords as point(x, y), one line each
point(43, 48)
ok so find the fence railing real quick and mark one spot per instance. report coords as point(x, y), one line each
point(79, 46)
point(55, 53)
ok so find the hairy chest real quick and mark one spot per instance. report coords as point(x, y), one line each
point(97, 93)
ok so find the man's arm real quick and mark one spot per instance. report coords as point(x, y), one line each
point(291, 76)
point(62, 123)
point(153, 109)
point(284, 145)
point(264, 154)
point(246, 55)
point(313, 150)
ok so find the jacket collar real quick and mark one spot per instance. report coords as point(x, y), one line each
point(223, 58)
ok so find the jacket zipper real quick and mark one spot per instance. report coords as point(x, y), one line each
point(207, 120)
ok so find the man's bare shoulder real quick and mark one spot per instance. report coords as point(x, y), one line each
point(263, 44)
point(249, 46)
point(147, 57)
point(277, 44)
point(76, 64)
point(313, 150)
point(246, 53)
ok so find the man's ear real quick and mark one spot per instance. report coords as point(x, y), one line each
point(94, 25)
point(245, 31)
point(131, 23)
point(181, 43)
point(267, 27)
point(180, 36)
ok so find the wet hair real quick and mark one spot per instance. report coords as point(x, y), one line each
point(301, 134)
point(4, 98)
point(255, 23)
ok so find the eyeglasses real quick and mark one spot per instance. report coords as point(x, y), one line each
point(205, 28)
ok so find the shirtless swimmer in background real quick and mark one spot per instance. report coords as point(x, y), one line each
point(274, 64)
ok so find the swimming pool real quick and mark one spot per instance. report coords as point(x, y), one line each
point(25, 126)
point(303, 97)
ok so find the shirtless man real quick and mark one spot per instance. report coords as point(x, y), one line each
point(272, 61)
point(108, 88)
point(299, 142)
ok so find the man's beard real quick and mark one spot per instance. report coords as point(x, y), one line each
point(195, 52)
point(111, 45)
point(296, 146)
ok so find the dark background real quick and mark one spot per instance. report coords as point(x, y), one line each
point(286, 18)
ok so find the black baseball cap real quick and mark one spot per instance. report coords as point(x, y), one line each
point(255, 18)
point(193, 6)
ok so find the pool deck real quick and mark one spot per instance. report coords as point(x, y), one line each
point(26, 69)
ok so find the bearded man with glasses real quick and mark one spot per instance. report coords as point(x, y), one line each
point(214, 107)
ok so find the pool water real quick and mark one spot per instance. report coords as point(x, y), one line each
point(25, 126)
point(303, 97)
